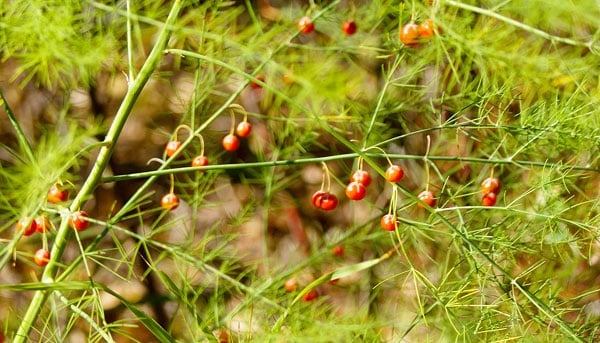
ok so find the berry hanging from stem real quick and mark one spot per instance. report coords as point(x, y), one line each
point(200, 160)
point(323, 199)
point(174, 144)
point(169, 201)
point(426, 197)
point(244, 128)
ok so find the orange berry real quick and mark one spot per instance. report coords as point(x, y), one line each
point(41, 257)
point(169, 201)
point(305, 25)
point(409, 34)
point(426, 197)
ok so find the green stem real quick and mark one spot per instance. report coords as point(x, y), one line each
point(23, 143)
point(129, 45)
point(533, 299)
point(95, 176)
point(380, 99)
point(300, 161)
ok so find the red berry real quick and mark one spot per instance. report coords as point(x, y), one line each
point(310, 296)
point(231, 142)
point(305, 25)
point(409, 34)
point(28, 230)
point(490, 185)
point(327, 202)
point(427, 198)
point(42, 224)
point(489, 199)
point(349, 27)
point(172, 147)
point(256, 85)
point(394, 173)
point(388, 222)
point(243, 129)
point(224, 337)
point(356, 190)
point(316, 198)
point(57, 195)
point(426, 29)
point(41, 257)
point(200, 161)
point(169, 201)
point(290, 285)
point(361, 176)
point(78, 220)
point(337, 250)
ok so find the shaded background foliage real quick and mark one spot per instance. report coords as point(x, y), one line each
point(482, 90)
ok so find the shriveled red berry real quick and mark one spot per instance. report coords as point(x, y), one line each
point(57, 195)
point(409, 34)
point(42, 224)
point(78, 220)
point(41, 257)
point(361, 176)
point(333, 281)
point(256, 85)
point(394, 173)
point(337, 250)
point(356, 190)
point(200, 161)
point(27, 226)
point(290, 285)
point(231, 143)
point(489, 199)
point(305, 25)
point(426, 29)
point(349, 27)
point(310, 296)
point(169, 201)
point(328, 202)
point(243, 129)
point(172, 147)
point(388, 222)
point(426, 197)
point(490, 185)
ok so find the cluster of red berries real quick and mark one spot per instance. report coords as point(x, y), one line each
point(412, 34)
point(306, 26)
point(170, 201)
point(361, 179)
point(490, 188)
point(231, 142)
point(41, 224)
point(291, 285)
point(356, 188)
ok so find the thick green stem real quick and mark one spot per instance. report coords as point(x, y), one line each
point(95, 175)
point(140, 191)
